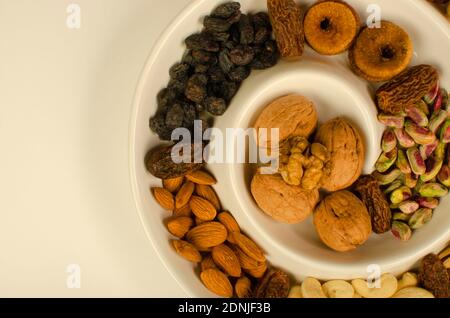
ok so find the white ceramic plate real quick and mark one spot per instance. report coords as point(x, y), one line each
point(336, 92)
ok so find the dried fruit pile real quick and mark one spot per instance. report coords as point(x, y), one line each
point(218, 60)
point(414, 167)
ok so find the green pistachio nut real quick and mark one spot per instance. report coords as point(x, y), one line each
point(444, 176)
point(445, 132)
point(394, 121)
point(402, 162)
point(408, 207)
point(427, 150)
point(433, 190)
point(416, 161)
point(440, 150)
point(421, 135)
point(410, 180)
point(401, 231)
point(389, 141)
point(403, 138)
point(437, 120)
point(434, 165)
point(431, 96)
point(420, 218)
point(417, 115)
point(393, 186)
point(399, 216)
point(400, 195)
point(386, 161)
point(386, 179)
point(429, 203)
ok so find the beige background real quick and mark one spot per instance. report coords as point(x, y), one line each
point(65, 102)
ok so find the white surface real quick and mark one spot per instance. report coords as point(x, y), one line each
point(65, 102)
point(336, 91)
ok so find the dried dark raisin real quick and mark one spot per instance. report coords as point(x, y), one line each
point(196, 88)
point(216, 74)
point(247, 33)
point(190, 114)
point(220, 36)
point(179, 71)
point(234, 18)
point(224, 61)
point(216, 106)
point(175, 116)
point(204, 57)
point(165, 98)
point(239, 73)
point(177, 86)
point(263, 29)
point(242, 55)
point(158, 126)
point(229, 89)
point(201, 68)
point(216, 25)
point(226, 10)
point(202, 41)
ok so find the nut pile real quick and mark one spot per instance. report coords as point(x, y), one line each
point(230, 263)
point(218, 60)
point(414, 167)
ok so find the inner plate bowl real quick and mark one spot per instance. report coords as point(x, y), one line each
point(335, 91)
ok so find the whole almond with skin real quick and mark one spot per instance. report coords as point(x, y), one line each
point(173, 185)
point(202, 208)
point(249, 247)
point(185, 210)
point(208, 263)
point(164, 198)
point(230, 223)
point(217, 282)
point(187, 251)
point(179, 226)
point(243, 287)
point(207, 235)
point(208, 193)
point(258, 271)
point(201, 177)
point(227, 260)
point(199, 221)
point(184, 195)
point(245, 261)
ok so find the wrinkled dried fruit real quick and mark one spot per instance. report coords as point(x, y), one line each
point(420, 218)
point(408, 88)
point(380, 213)
point(227, 260)
point(226, 10)
point(386, 161)
point(217, 282)
point(275, 284)
point(394, 121)
point(433, 190)
point(401, 231)
point(160, 164)
point(187, 251)
point(434, 276)
point(416, 161)
point(201, 41)
point(389, 141)
point(243, 288)
point(385, 179)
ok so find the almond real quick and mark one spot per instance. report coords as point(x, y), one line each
point(184, 195)
point(208, 193)
point(227, 260)
point(203, 209)
point(243, 287)
point(245, 261)
point(164, 198)
point(199, 221)
point(249, 247)
point(173, 185)
point(207, 235)
point(187, 251)
point(201, 177)
point(185, 210)
point(258, 271)
point(217, 282)
point(207, 263)
point(230, 223)
point(179, 226)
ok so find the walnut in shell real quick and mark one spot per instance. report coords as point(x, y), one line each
point(293, 115)
point(342, 221)
point(283, 202)
point(378, 206)
point(346, 148)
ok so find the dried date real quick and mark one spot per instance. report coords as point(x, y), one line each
point(434, 277)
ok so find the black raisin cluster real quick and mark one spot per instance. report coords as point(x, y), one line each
point(217, 61)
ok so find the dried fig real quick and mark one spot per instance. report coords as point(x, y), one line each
point(275, 284)
point(345, 144)
point(342, 221)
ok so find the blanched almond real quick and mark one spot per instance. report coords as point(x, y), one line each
point(217, 282)
point(207, 235)
point(227, 260)
point(201, 177)
point(164, 198)
point(248, 247)
point(184, 195)
point(187, 251)
point(179, 226)
point(311, 288)
point(208, 193)
point(203, 209)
